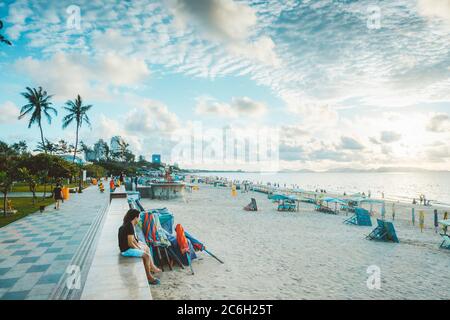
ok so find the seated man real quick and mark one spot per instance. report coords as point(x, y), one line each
point(131, 247)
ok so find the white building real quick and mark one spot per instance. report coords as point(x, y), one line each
point(115, 144)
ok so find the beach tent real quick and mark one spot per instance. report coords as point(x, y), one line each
point(360, 218)
point(384, 231)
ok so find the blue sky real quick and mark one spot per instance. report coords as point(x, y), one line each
point(345, 83)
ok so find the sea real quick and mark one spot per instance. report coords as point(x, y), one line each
point(397, 186)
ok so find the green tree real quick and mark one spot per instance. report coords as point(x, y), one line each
point(31, 179)
point(20, 147)
point(49, 147)
point(39, 104)
point(8, 171)
point(78, 113)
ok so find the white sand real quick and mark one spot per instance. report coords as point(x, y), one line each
point(300, 255)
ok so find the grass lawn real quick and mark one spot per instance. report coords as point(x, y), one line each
point(24, 207)
point(23, 187)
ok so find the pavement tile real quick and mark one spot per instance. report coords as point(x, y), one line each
point(15, 295)
point(4, 271)
point(8, 283)
point(38, 268)
point(50, 278)
point(28, 260)
point(64, 257)
point(21, 252)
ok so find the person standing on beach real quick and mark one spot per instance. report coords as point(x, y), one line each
point(421, 220)
point(436, 222)
point(57, 195)
point(445, 218)
point(393, 211)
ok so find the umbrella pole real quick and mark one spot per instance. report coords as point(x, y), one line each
point(188, 256)
point(174, 255)
point(213, 256)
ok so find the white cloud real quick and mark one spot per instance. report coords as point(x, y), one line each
point(69, 74)
point(439, 123)
point(227, 22)
point(390, 136)
point(151, 117)
point(239, 106)
point(435, 9)
point(8, 113)
point(350, 143)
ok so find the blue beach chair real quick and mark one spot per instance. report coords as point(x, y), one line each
point(384, 231)
point(445, 241)
point(360, 218)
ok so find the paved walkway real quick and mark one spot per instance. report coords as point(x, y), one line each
point(36, 250)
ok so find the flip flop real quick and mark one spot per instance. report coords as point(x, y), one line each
point(154, 282)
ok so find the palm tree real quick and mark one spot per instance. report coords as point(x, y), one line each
point(78, 112)
point(38, 103)
point(2, 38)
point(123, 149)
point(49, 147)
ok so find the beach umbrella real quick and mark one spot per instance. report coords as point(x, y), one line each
point(413, 216)
point(183, 244)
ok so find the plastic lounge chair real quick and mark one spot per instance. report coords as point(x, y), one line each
point(384, 231)
point(287, 206)
point(360, 218)
point(324, 209)
point(445, 241)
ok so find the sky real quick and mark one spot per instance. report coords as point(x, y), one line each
point(340, 84)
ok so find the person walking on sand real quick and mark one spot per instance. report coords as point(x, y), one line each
point(130, 246)
point(445, 218)
point(57, 195)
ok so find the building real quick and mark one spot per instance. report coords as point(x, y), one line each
point(156, 158)
point(100, 150)
point(115, 144)
point(69, 158)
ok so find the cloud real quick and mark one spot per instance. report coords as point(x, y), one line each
point(290, 153)
point(151, 117)
point(390, 136)
point(239, 106)
point(350, 144)
point(8, 113)
point(17, 16)
point(69, 74)
point(439, 123)
point(227, 22)
point(435, 9)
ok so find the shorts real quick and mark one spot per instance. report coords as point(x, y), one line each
point(136, 253)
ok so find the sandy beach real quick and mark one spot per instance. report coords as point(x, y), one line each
point(298, 255)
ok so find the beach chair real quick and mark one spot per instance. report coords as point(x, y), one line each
point(251, 206)
point(325, 209)
point(384, 231)
point(445, 241)
point(158, 241)
point(360, 218)
point(287, 206)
